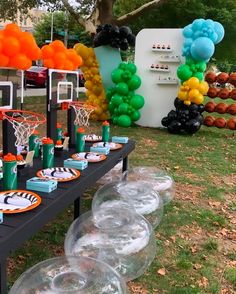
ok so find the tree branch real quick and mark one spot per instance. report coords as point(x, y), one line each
point(126, 18)
point(73, 13)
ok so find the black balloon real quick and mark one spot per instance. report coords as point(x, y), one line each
point(114, 36)
point(185, 119)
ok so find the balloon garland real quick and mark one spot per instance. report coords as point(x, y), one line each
point(117, 37)
point(200, 38)
point(124, 104)
point(17, 49)
point(93, 83)
point(56, 55)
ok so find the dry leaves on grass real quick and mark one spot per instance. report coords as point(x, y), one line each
point(162, 271)
point(203, 283)
point(137, 288)
point(188, 192)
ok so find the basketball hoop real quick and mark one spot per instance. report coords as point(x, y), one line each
point(24, 123)
point(82, 112)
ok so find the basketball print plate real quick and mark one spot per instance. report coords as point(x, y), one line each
point(90, 156)
point(17, 201)
point(60, 174)
point(113, 146)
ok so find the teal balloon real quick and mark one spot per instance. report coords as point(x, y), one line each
point(123, 108)
point(124, 121)
point(116, 76)
point(116, 99)
point(137, 101)
point(199, 75)
point(111, 107)
point(122, 88)
point(134, 83)
point(131, 67)
point(135, 115)
point(184, 73)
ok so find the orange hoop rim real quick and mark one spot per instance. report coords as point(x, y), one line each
point(81, 104)
point(11, 118)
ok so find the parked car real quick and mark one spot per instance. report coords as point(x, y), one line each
point(37, 75)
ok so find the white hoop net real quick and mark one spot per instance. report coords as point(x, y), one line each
point(24, 124)
point(82, 113)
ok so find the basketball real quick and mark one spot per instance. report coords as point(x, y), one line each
point(233, 94)
point(222, 78)
point(210, 106)
point(232, 79)
point(212, 92)
point(209, 121)
point(224, 93)
point(231, 123)
point(210, 77)
point(220, 123)
point(221, 108)
point(232, 109)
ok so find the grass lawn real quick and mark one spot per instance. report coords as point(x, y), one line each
point(196, 240)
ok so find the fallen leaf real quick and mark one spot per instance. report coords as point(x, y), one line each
point(203, 282)
point(197, 266)
point(162, 271)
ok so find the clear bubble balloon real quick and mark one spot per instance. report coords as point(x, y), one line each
point(158, 179)
point(135, 195)
point(70, 275)
point(116, 235)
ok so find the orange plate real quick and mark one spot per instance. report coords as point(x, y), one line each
point(24, 209)
point(101, 157)
point(40, 175)
point(117, 146)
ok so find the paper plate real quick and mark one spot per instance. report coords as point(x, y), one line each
point(89, 156)
point(113, 146)
point(93, 138)
point(60, 174)
point(33, 199)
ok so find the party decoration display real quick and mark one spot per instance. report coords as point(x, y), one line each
point(57, 56)
point(93, 82)
point(221, 86)
point(17, 48)
point(124, 104)
point(200, 38)
point(117, 37)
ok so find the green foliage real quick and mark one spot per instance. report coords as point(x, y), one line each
point(42, 31)
point(230, 275)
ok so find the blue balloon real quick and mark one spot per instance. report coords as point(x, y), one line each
point(202, 49)
point(220, 31)
point(209, 23)
point(197, 24)
point(187, 31)
point(197, 34)
point(213, 36)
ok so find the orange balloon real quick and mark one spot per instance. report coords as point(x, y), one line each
point(47, 52)
point(34, 53)
point(68, 65)
point(0, 46)
point(59, 59)
point(11, 46)
point(49, 63)
point(58, 46)
point(12, 30)
point(1, 35)
point(78, 61)
point(4, 60)
point(19, 61)
point(27, 42)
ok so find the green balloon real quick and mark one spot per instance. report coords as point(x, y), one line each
point(111, 107)
point(123, 108)
point(116, 99)
point(184, 73)
point(122, 66)
point(131, 67)
point(137, 101)
point(135, 115)
point(124, 121)
point(134, 83)
point(114, 119)
point(201, 66)
point(122, 88)
point(198, 75)
point(116, 76)
point(110, 92)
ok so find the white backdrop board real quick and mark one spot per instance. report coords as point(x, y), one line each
point(157, 68)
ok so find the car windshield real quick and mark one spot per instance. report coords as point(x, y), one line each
point(36, 69)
